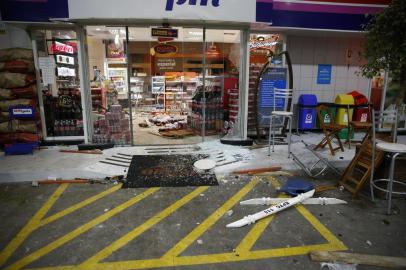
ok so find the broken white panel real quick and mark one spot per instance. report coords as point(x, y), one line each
point(270, 201)
point(250, 219)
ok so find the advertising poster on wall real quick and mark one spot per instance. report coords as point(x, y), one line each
point(273, 78)
point(115, 49)
point(324, 74)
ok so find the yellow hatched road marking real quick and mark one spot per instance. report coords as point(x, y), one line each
point(243, 252)
point(122, 241)
point(258, 229)
point(204, 259)
point(78, 231)
point(79, 205)
point(38, 220)
point(210, 221)
point(31, 225)
point(331, 238)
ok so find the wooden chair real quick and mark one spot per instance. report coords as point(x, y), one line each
point(330, 130)
point(358, 126)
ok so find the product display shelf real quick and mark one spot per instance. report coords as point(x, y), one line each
point(213, 115)
point(66, 107)
point(234, 98)
point(99, 100)
point(178, 95)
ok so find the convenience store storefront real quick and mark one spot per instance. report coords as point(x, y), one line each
point(112, 46)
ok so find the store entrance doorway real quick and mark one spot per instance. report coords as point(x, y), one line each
point(174, 85)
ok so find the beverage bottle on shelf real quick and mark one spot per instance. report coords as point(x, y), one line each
point(78, 113)
point(72, 113)
point(61, 128)
point(56, 128)
point(72, 127)
point(67, 128)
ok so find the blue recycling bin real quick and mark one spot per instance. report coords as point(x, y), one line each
point(307, 111)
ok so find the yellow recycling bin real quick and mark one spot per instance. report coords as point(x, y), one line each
point(344, 114)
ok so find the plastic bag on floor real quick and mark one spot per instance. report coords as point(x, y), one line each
point(337, 266)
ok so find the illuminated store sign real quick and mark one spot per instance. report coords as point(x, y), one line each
point(170, 3)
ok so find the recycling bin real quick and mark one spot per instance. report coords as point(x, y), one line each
point(327, 116)
point(344, 109)
point(361, 111)
point(307, 111)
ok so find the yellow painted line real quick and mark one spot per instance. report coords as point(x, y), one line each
point(210, 221)
point(258, 229)
point(206, 259)
point(171, 259)
point(31, 225)
point(79, 205)
point(78, 231)
point(253, 235)
point(330, 237)
point(119, 243)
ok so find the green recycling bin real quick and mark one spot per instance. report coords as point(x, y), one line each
point(327, 116)
point(343, 134)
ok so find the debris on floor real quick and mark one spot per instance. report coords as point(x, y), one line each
point(92, 152)
point(356, 258)
point(321, 188)
point(167, 171)
point(106, 180)
point(204, 165)
point(175, 133)
point(95, 146)
point(258, 170)
point(319, 167)
point(296, 186)
point(145, 124)
point(337, 266)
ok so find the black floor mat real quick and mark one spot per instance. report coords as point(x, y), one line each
point(166, 171)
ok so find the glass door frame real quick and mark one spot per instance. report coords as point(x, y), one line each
point(243, 77)
point(82, 77)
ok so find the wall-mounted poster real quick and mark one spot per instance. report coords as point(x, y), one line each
point(271, 79)
point(324, 74)
point(115, 49)
point(168, 64)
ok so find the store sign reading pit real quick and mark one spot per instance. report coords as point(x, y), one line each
point(195, 10)
point(170, 3)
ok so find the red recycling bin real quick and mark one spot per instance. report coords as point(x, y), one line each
point(361, 114)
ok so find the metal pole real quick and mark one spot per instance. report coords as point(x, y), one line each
point(85, 84)
point(129, 73)
point(244, 84)
point(204, 86)
point(39, 87)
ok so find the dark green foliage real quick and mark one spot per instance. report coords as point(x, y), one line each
point(385, 47)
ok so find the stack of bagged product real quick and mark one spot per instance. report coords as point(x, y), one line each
point(113, 128)
point(17, 87)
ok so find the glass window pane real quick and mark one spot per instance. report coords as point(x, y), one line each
point(57, 52)
point(109, 84)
